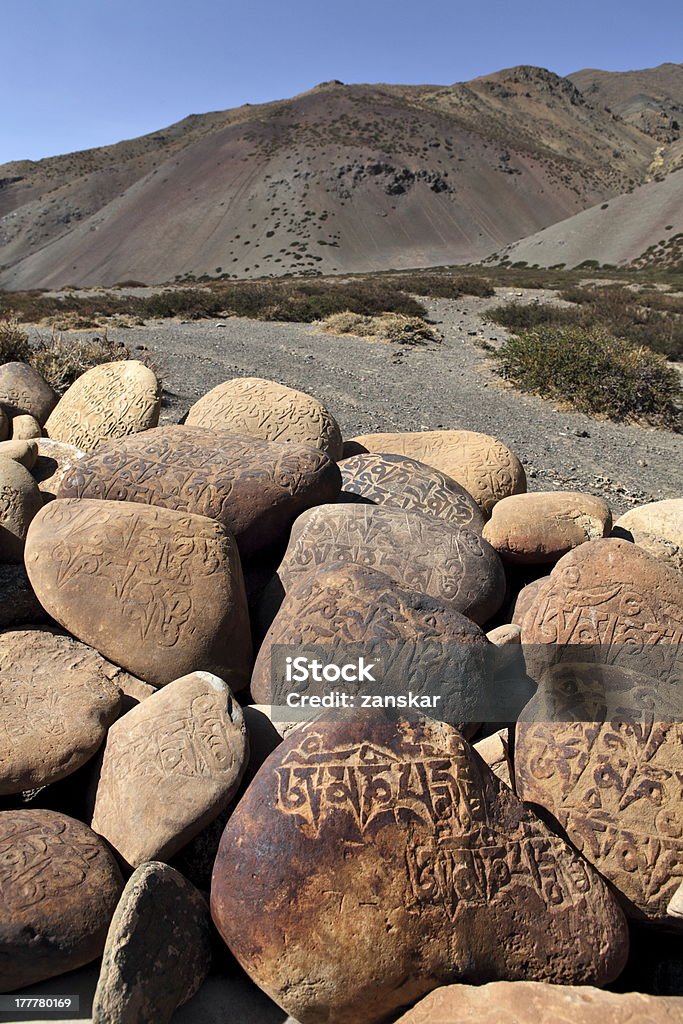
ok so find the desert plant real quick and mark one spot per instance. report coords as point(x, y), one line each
point(14, 342)
point(391, 327)
point(594, 372)
point(519, 316)
point(62, 360)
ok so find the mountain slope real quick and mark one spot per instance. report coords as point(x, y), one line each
point(651, 99)
point(643, 227)
point(341, 178)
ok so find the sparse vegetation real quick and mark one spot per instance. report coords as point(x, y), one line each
point(650, 318)
point(521, 316)
point(391, 327)
point(14, 342)
point(443, 286)
point(594, 372)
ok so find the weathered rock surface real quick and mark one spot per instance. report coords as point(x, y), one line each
point(495, 751)
point(526, 599)
point(657, 527)
point(55, 459)
point(537, 528)
point(158, 949)
point(23, 452)
point(396, 861)
point(396, 481)
point(675, 906)
point(418, 551)
point(160, 593)
point(418, 642)
point(24, 391)
point(613, 783)
point(254, 488)
point(106, 402)
point(59, 886)
point(58, 700)
point(484, 466)
point(20, 500)
point(19, 605)
point(25, 427)
point(170, 766)
point(531, 1002)
point(261, 408)
point(4, 424)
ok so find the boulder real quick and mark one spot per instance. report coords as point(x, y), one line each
point(657, 527)
point(25, 428)
point(158, 949)
point(484, 466)
point(58, 701)
point(20, 501)
point(108, 401)
point(4, 425)
point(417, 643)
point(610, 775)
point(24, 391)
point(59, 886)
point(160, 593)
point(418, 551)
point(396, 861)
point(23, 452)
point(170, 766)
point(538, 528)
point(261, 408)
point(396, 481)
point(55, 459)
point(526, 599)
point(495, 751)
point(532, 1002)
point(19, 605)
point(255, 488)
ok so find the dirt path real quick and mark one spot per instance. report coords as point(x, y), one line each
point(372, 386)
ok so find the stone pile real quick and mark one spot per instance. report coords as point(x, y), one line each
point(151, 578)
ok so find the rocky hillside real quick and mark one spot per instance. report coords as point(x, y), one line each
point(339, 179)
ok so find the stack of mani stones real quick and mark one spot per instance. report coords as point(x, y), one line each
point(359, 868)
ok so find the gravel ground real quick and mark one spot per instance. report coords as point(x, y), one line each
point(371, 386)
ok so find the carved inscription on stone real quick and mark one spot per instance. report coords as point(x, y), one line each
point(422, 553)
point(396, 481)
point(24, 391)
point(255, 488)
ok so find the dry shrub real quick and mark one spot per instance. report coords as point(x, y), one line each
point(14, 344)
point(62, 360)
point(391, 327)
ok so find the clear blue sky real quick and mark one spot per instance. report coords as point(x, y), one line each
point(81, 73)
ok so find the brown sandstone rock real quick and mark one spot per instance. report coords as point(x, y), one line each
point(396, 861)
point(57, 703)
point(531, 1002)
point(419, 643)
point(533, 529)
point(25, 428)
point(526, 599)
point(495, 751)
point(255, 488)
point(657, 527)
point(55, 459)
point(24, 391)
point(418, 551)
point(261, 408)
point(396, 481)
point(106, 402)
point(158, 949)
point(19, 605)
point(20, 501)
point(170, 766)
point(612, 780)
point(157, 592)
point(23, 452)
point(59, 885)
point(481, 464)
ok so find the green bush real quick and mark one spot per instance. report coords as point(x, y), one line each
point(520, 316)
point(595, 373)
point(444, 286)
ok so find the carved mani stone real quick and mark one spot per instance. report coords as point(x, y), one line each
point(533, 529)
point(107, 401)
point(396, 861)
point(59, 886)
point(613, 784)
point(396, 481)
point(170, 766)
point(421, 644)
point(24, 391)
point(418, 551)
point(158, 949)
point(255, 488)
point(157, 592)
point(58, 698)
point(526, 598)
point(55, 459)
point(261, 408)
point(25, 428)
point(484, 466)
point(531, 1002)
point(657, 527)
point(20, 500)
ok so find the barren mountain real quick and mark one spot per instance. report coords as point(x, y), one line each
point(643, 227)
point(341, 178)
